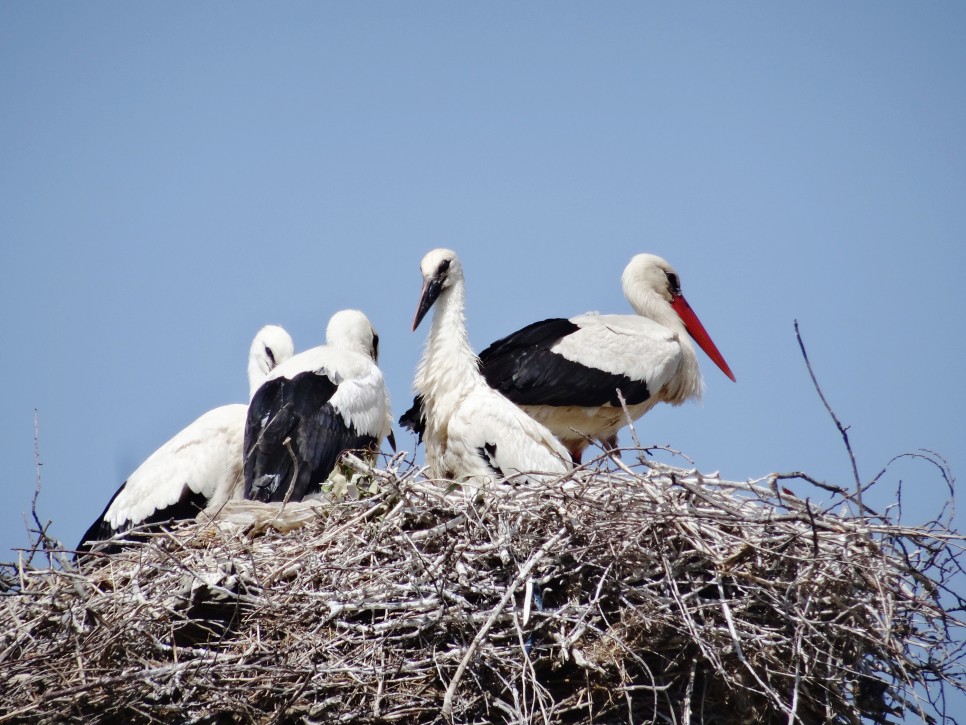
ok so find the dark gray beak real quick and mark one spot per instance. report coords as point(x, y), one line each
point(431, 291)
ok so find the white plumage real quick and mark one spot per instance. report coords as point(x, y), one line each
point(313, 407)
point(472, 433)
point(200, 466)
point(565, 373)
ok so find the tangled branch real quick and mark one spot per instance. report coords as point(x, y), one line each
point(628, 593)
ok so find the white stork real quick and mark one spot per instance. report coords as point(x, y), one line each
point(313, 407)
point(566, 373)
point(200, 467)
point(472, 433)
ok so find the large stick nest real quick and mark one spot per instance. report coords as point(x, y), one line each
point(624, 594)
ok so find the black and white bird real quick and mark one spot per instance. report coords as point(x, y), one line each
point(200, 467)
point(472, 433)
point(565, 373)
point(313, 407)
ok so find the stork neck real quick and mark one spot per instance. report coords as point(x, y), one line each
point(648, 303)
point(449, 362)
point(687, 383)
point(256, 375)
point(349, 340)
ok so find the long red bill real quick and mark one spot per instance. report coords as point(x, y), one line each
point(700, 335)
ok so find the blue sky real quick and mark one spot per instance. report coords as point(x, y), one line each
point(174, 176)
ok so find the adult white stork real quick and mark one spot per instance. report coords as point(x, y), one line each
point(200, 467)
point(313, 407)
point(473, 434)
point(566, 373)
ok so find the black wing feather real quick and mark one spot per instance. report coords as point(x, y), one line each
point(413, 418)
point(187, 506)
point(523, 367)
point(299, 411)
point(488, 453)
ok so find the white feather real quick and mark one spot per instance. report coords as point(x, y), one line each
point(637, 347)
point(205, 457)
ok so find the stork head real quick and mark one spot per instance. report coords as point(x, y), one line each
point(653, 288)
point(351, 330)
point(441, 269)
point(648, 273)
point(271, 347)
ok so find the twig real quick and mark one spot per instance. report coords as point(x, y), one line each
point(43, 541)
point(628, 419)
point(295, 474)
point(842, 429)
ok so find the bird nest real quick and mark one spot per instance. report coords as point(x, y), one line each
point(627, 593)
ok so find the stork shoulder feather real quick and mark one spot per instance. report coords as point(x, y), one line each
point(627, 345)
point(363, 402)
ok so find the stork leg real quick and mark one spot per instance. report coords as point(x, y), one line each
point(610, 444)
point(576, 451)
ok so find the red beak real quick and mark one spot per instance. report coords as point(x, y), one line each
point(694, 327)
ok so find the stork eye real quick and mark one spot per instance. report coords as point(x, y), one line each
point(375, 348)
point(270, 355)
point(673, 285)
point(443, 268)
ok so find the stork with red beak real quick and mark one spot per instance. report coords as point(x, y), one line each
point(566, 373)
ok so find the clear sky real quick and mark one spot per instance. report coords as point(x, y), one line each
point(175, 175)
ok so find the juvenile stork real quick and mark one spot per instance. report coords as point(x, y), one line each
point(472, 433)
point(313, 407)
point(566, 373)
point(200, 467)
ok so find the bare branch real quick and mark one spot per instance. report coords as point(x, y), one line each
point(842, 429)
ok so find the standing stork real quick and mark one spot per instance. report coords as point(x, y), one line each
point(566, 373)
point(313, 407)
point(472, 432)
point(200, 467)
